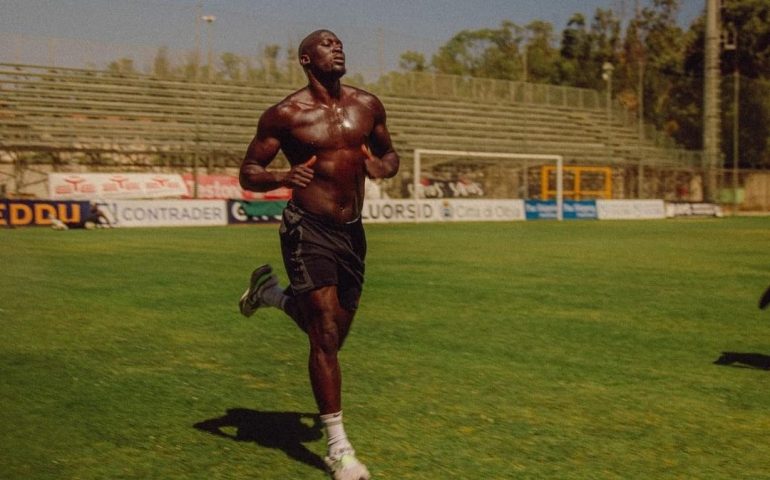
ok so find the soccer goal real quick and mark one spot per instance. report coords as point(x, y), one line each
point(468, 174)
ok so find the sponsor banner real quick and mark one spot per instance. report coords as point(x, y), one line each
point(541, 209)
point(240, 211)
point(571, 209)
point(383, 211)
point(434, 188)
point(115, 185)
point(630, 209)
point(482, 210)
point(679, 209)
point(165, 213)
point(580, 210)
point(224, 187)
point(17, 213)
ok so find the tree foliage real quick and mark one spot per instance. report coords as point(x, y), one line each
point(750, 19)
point(412, 61)
point(490, 53)
point(658, 66)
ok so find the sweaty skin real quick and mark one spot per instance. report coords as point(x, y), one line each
point(334, 136)
point(342, 127)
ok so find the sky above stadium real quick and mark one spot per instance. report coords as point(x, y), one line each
point(375, 32)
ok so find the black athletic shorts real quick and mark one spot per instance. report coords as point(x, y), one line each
point(319, 253)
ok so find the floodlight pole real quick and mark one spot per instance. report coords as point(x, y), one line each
point(416, 184)
point(209, 19)
point(731, 43)
point(607, 69)
point(711, 87)
point(640, 67)
point(197, 99)
point(736, 130)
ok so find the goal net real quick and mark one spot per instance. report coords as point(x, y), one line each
point(487, 175)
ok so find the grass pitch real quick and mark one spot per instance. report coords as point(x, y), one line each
point(537, 350)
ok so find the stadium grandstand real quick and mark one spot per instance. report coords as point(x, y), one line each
point(70, 120)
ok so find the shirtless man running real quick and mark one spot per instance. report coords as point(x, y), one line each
point(334, 136)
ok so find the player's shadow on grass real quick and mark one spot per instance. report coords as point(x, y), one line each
point(286, 431)
point(744, 360)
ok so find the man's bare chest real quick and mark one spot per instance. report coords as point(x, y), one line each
point(332, 127)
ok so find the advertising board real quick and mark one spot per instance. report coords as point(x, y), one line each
point(630, 209)
point(446, 210)
point(74, 186)
point(572, 209)
point(242, 211)
point(19, 213)
point(226, 187)
point(165, 213)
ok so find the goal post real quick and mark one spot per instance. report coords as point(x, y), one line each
point(557, 160)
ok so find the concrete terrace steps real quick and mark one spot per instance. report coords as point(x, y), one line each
point(570, 157)
point(76, 109)
point(459, 124)
point(506, 145)
point(526, 136)
point(435, 116)
point(488, 111)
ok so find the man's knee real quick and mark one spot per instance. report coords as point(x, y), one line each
point(325, 335)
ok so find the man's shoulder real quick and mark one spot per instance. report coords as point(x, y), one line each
point(358, 93)
point(362, 96)
point(288, 106)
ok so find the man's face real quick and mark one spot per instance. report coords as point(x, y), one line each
point(325, 54)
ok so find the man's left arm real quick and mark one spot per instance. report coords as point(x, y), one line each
point(380, 159)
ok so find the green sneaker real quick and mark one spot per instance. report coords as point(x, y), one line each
point(261, 279)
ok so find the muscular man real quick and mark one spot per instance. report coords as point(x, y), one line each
point(334, 136)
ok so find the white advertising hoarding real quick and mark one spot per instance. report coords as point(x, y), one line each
point(630, 209)
point(165, 213)
point(695, 209)
point(447, 210)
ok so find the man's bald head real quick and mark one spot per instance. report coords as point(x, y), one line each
point(311, 40)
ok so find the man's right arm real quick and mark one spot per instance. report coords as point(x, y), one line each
point(262, 150)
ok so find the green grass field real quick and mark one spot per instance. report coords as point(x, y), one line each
point(532, 350)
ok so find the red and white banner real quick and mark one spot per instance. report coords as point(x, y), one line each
point(224, 187)
point(115, 185)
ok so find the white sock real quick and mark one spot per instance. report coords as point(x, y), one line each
point(336, 439)
point(274, 296)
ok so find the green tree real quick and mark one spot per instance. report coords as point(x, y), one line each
point(231, 66)
point(190, 68)
point(584, 50)
point(572, 68)
point(541, 57)
point(122, 66)
point(412, 62)
point(270, 61)
point(161, 65)
point(490, 53)
point(749, 19)
point(663, 55)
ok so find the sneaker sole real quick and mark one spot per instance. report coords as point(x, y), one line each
point(256, 275)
